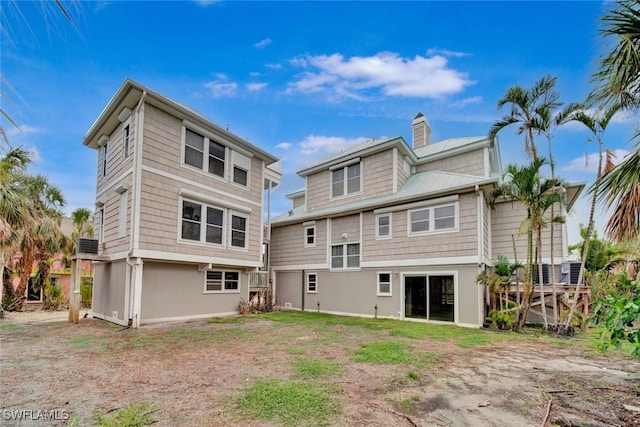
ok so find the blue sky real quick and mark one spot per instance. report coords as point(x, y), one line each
point(302, 80)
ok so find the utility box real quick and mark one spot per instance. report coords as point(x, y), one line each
point(87, 245)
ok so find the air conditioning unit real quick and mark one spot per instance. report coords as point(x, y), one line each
point(87, 245)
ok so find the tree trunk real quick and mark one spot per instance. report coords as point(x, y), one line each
point(543, 304)
point(515, 261)
point(552, 266)
point(26, 267)
point(587, 239)
point(528, 286)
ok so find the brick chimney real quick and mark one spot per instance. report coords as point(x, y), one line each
point(421, 131)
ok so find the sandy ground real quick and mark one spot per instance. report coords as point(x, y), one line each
point(192, 372)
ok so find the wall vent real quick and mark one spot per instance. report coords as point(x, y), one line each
point(287, 305)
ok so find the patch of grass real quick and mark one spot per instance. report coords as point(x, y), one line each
point(386, 353)
point(82, 341)
point(134, 415)
point(464, 337)
point(295, 351)
point(290, 403)
point(4, 326)
point(413, 375)
point(315, 368)
point(229, 319)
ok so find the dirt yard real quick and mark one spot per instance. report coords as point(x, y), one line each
point(193, 372)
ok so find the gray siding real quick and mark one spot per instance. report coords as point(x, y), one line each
point(109, 290)
point(346, 225)
point(402, 166)
point(160, 221)
point(298, 202)
point(176, 290)
point(376, 171)
point(162, 150)
point(450, 244)
point(355, 292)
point(506, 219)
point(287, 245)
point(471, 163)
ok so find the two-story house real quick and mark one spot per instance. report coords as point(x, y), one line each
point(391, 230)
point(179, 210)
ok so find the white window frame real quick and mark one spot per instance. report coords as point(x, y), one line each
point(379, 292)
point(104, 158)
point(223, 282)
point(205, 153)
point(345, 182)
point(245, 231)
point(315, 283)
point(345, 256)
point(122, 214)
point(242, 162)
point(233, 177)
point(306, 235)
point(432, 220)
point(126, 141)
point(101, 224)
point(377, 219)
point(202, 222)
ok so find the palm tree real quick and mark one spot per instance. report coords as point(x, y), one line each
point(597, 123)
point(618, 83)
point(525, 107)
point(548, 121)
point(13, 206)
point(40, 234)
point(618, 77)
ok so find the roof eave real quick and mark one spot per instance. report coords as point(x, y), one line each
point(349, 211)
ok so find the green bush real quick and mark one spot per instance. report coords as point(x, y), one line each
point(53, 297)
point(501, 319)
point(86, 291)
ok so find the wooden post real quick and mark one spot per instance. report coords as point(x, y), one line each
point(74, 294)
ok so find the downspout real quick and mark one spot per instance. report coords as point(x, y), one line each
point(134, 240)
point(480, 218)
point(303, 272)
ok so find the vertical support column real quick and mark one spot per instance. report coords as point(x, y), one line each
point(74, 294)
point(136, 266)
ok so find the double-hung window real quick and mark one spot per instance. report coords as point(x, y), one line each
point(310, 236)
point(346, 180)
point(193, 223)
point(345, 256)
point(433, 219)
point(383, 226)
point(104, 159)
point(204, 153)
point(125, 142)
point(238, 231)
point(384, 284)
point(312, 283)
point(222, 281)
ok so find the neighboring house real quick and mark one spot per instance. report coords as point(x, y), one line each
point(397, 231)
point(59, 273)
point(179, 211)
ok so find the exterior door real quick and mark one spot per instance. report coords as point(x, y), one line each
point(429, 297)
point(415, 296)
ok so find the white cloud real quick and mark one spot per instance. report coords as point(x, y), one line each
point(446, 52)
point(274, 66)
point(386, 72)
point(589, 162)
point(467, 101)
point(320, 146)
point(24, 130)
point(206, 3)
point(221, 87)
point(263, 43)
point(284, 145)
point(256, 87)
